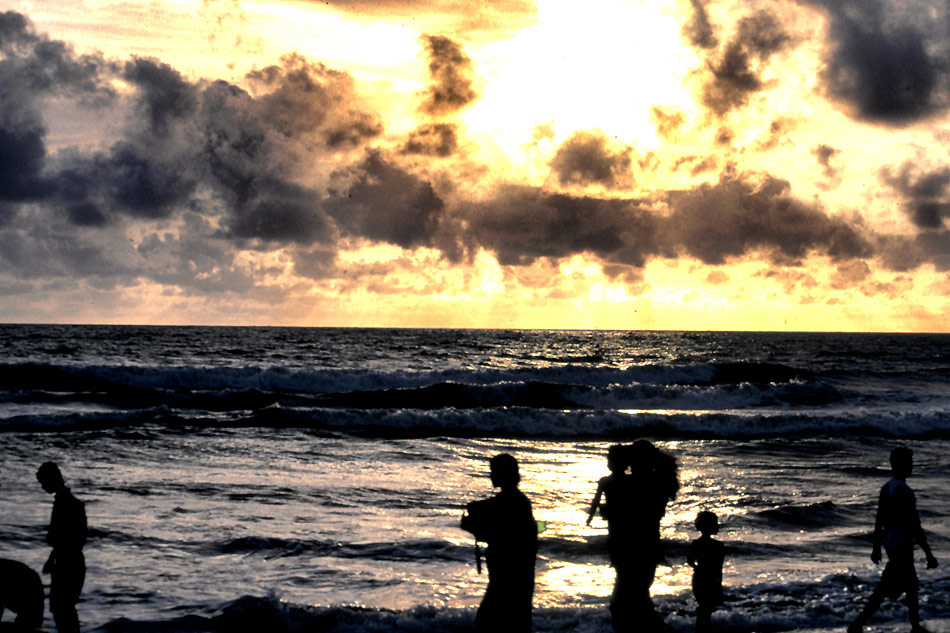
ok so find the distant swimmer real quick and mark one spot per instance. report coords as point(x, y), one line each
point(705, 555)
point(897, 527)
point(505, 521)
point(21, 591)
point(67, 536)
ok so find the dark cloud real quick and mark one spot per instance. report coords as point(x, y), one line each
point(315, 263)
point(41, 65)
point(22, 154)
point(890, 62)
point(899, 253)
point(824, 154)
point(450, 72)
point(209, 167)
point(586, 159)
point(850, 274)
point(385, 203)
point(926, 194)
point(163, 94)
point(698, 30)
point(34, 68)
point(725, 136)
point(141, 185)
point(522, 224)
point(934, 247)
point(438, 139)
point(741, 215)
point(205, 169)
point(281, 211)
point(86, 214)
point(737, 73)
point(301, 98)
point(15, 30)
point(7, 213)
point(353, 130)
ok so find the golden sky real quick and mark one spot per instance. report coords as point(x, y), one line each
point(687, 164)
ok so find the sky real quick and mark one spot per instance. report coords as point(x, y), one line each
point(680, 164)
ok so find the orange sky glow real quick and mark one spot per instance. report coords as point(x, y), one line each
point(684, 164)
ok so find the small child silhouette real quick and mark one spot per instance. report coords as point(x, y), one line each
point(705, 555)
point(616, 464)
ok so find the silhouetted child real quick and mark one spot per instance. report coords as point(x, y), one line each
point(897, 528)
point(506, 523)
point(67, 536)
point(705, 555)
point(21, 591)
point(616, 464)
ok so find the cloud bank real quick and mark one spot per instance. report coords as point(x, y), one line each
point(214, 187)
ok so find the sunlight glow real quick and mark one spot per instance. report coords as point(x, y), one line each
point(604, 52)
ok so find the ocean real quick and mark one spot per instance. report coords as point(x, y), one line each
point(312, 479)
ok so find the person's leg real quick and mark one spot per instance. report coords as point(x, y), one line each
point(703, 618)
point(913, 611)
point(621, 617)
point(873, 604)
point(66, 583)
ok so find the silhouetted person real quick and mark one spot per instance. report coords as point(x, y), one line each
point(21, 591)
point(66, 535)
point(636, 502)
point(897, 528)
point(705, 555)
point(616, 464)
point(506, 523)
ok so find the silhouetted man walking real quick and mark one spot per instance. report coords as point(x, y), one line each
point(897, 528)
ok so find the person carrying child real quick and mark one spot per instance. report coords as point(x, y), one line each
point(635, 503)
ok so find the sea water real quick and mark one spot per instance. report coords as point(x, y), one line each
point(312, 479)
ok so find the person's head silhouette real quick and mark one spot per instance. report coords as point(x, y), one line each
point(902, 462)
point(504, 471)
point(617, 461)
point(50, 477)
point(707, 522)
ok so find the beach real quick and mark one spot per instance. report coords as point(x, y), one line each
point(315, 478)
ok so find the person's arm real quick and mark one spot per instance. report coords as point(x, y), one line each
point(596, 503)
point(921, 539)
point(879, 527)
point(932, 562)
point(466, 523)
point(48, 567)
